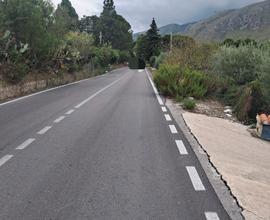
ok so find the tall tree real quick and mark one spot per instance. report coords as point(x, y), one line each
point(67, 15)
point(114, 28)
point(30, 22)
point(153, 41)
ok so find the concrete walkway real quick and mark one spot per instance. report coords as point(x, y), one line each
point(242, 160)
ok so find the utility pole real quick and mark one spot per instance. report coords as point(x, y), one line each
point(100, 38)
point(171, 42)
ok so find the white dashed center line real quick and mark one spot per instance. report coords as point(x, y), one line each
point(25, 144)
point(59, 119)
point(70, 112)
point(163, 109)
point(44, 130)
point(181, 147)
point(97, 93)
point(211, 216)
point(173, 129)
point(168, 117)
point(195, 179)
point(5, 159)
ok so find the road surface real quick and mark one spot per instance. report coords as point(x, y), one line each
point(104, 148)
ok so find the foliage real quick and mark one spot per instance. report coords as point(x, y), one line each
point(192, 55)
point(183, 82)
point(249, 102)
point(66, 11)
point(189, 104)
point(136, 63)
point(178, 42)
point(30, 21)
point(114, 28)
point(153, 40)
point(241, 64)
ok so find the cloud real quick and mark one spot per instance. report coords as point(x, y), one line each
point(140, 12)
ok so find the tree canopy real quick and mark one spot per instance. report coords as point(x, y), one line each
point(114, 28)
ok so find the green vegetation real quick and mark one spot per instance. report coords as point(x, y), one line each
point(36, 38)
point(189, 104)
point(235, 72)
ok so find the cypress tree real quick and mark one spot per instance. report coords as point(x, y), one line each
point(153, 41)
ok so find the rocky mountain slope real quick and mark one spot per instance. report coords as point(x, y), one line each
point(252, 21)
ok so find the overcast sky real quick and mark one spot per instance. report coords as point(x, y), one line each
point(140, 12)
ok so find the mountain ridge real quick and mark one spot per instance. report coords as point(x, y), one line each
point(251, 21)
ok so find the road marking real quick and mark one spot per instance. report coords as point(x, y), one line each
point(44, 130)
point(25, 144)
point(173, 129)
point(181, 147)
point(155, 89)
point(211, 216)
point(168, 117)
point(55, 88)
point(97, 93)
point(140, 71)
point(5, 159)
point(195, 179)
point(70, 112)
point(61, 118)
point(163, 109)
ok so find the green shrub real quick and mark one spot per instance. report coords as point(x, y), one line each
point(152, 61)
point(166, 79)
point(241, 64)
point(189, 104)
point(192, 83)
point(183, 82)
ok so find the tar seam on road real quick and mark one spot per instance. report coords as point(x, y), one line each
point(44, 130)
point(25, 144)
point(181, 147)
point(211, 216)
point(61, 118)
point(195, 178)
point(5, 159)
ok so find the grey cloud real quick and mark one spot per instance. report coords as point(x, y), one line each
point(140, 12)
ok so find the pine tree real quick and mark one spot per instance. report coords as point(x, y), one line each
point(114, 28)
point(67, 15)
point(153, 41)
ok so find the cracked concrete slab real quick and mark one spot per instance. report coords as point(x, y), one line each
point(241, 160)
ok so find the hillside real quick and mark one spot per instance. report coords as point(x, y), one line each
point(170, 28)
point(252, 21)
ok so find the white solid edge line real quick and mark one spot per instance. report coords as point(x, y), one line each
point(173, 129)
point(181, 147)
point(97, 93)
point(168, 117)
point(5, 159)
point(195, 178)
point(25, 144)
point(61, 118)
point(163, 109)
point(211, 216)
point(154, 88)
point(58, 87)
point(44, 130)
point(70, 112)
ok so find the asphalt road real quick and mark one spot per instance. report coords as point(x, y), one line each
point(104, 148)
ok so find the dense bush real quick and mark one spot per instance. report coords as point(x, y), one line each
point(241, 64)
point(194, 56)
point(182, 82)
point(189, 104)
